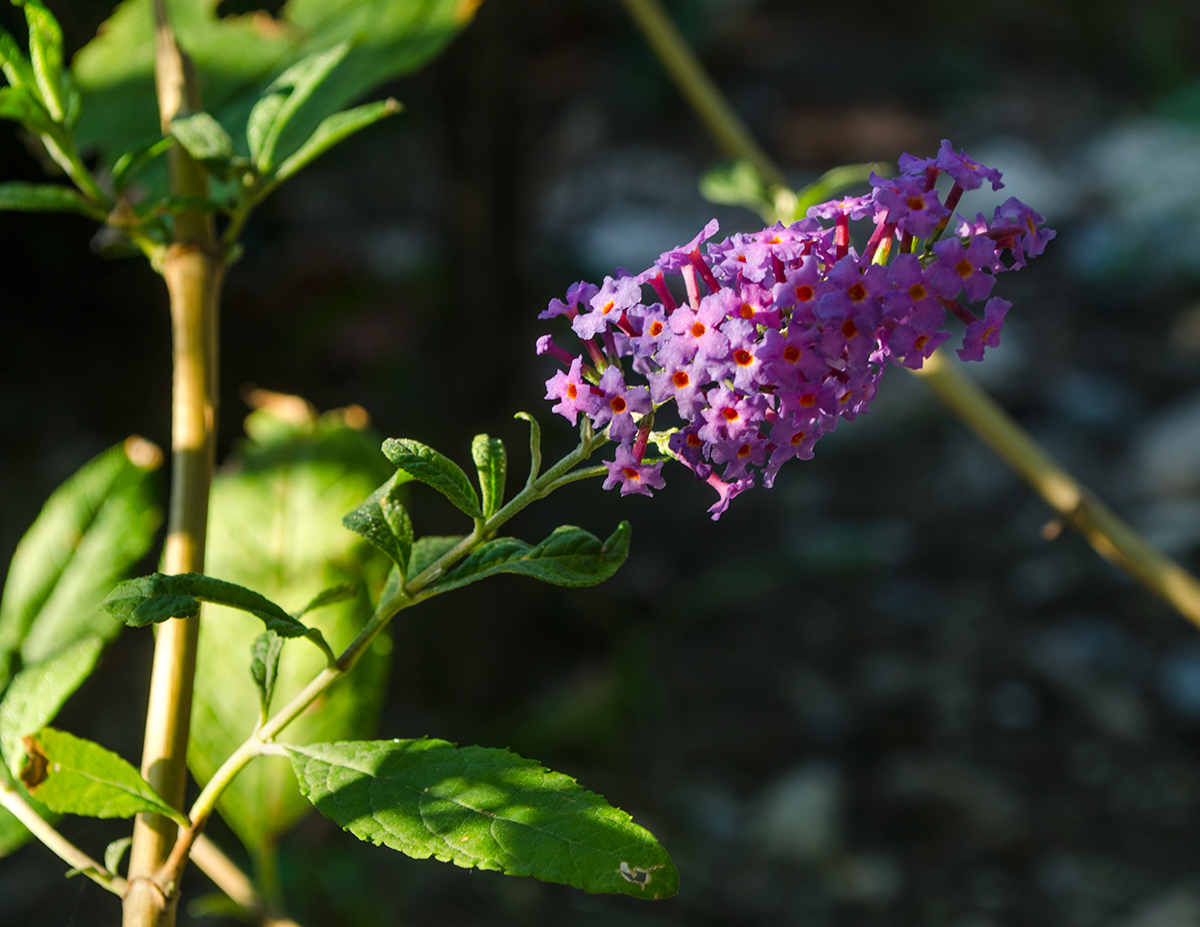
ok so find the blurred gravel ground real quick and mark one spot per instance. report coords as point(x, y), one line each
point(875, 695)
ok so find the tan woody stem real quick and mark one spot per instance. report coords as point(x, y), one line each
point(193, 277)
point(1111, 537)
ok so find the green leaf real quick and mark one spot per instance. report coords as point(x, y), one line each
point(339, 593)
point(236, 57)
point(399, 522)
point(301, 79)
point(157, 597)
point(46, 56)
point(45, 197)
point(482, 808)
point(273, 527)
point(262, 117)
point(20, 104)
point(264, 667)
point(835, 181)
point(16, 67)
point(735, 184)
point(115, 852)
point(71, 775)
point(204, 139)
point(428, 549)
point(535, 444)
point(425, 464)
point(13, 834)
point(334, 129)
point(369, 520)
point(89, 534)
point(569, 557)
point(491, 462)
point(132, 163)
point(39, 691)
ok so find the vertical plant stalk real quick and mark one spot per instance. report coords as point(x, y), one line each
point(193, 276)
point(1110, 536)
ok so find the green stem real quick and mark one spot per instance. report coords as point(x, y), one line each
point(15, 803)
point(404, 597)
point(694, 83)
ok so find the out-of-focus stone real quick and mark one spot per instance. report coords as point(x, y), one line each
point(1177, 907)
point(800, 817)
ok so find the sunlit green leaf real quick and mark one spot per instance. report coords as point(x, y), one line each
point(423, 463)
point(491, 463)
point(334, 129)
point(368, 520)
point(19, 104)
point(88, 535)
point(273, 527)
point(483, 808)
point(299, 81)
point(36, 694)
point(264, 667)
point(71, 775)
point(46, 55)
point(204, 139)
point(45, 197)
point(237, 57)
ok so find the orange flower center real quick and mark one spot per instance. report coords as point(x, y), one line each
point(849, 329)
point(698, 330)
point(744, 451)
point(572, 392)
point(730, 415)
point(915, 202)
point(858, 292)
point(808, 399)
point(692, 440)
point(631, 474)
point(743, 358)
point(964, 268)
point(791, 354)
point(804, 292)
point(618, 404)
point(917, 292)
point(797, 438)
point(680, 379)
point(920, 343)
point(607, 308)
point(655, 328)
point(747, 311)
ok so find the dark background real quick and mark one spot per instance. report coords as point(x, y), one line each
point(873, 695)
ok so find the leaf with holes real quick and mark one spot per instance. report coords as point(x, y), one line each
point(71, 775)
point(482, 808)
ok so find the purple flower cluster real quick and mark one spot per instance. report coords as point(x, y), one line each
point(784, 331)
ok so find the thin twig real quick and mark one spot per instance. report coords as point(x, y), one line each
point(1111, 537)
point(226, 876)
point(64, 849)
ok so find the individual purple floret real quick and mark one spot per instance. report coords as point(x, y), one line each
point(785, 331)
point(632, 475)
